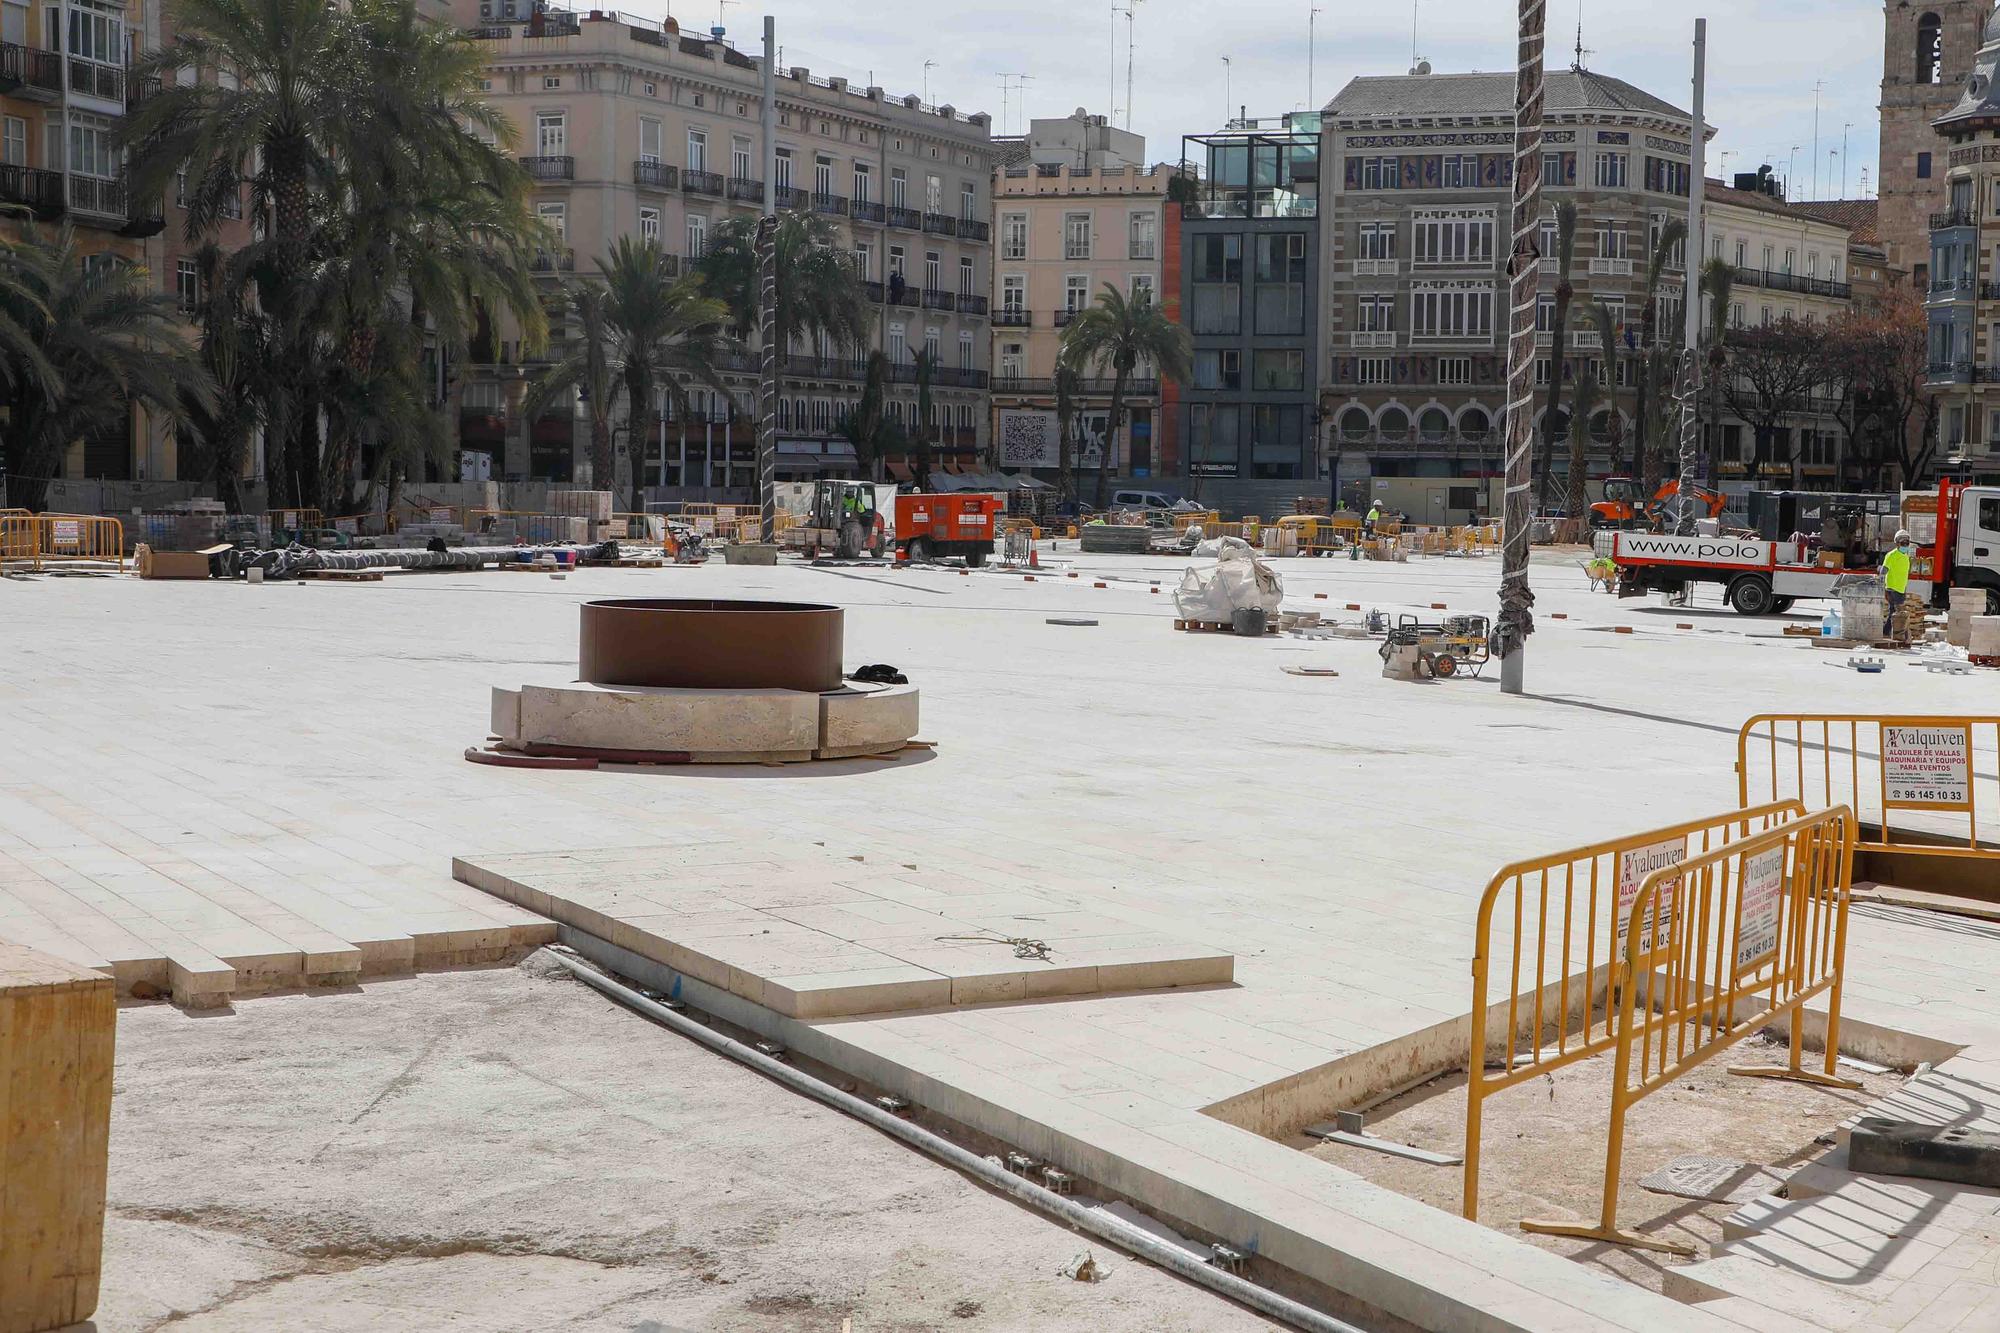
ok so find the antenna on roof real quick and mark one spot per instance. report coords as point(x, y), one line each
point(1581, 49)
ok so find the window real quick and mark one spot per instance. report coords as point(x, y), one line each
point(822, 175)
point(1014, 293)
point(1215, 438)
point(965, 277)
point(1461, 171)
point(1735, 314)
point(1770, 256)
point(1923, 166)
point(697, 150)
point(968, 202)
point(783, 169)
point(652, 89)
point(1375, 314)
point(1218, 278)
point(697, 236)
point(1930, 50)
point(1076, 236)
point(897, 266)
point(1012, 360)
point(1791, 258)
point(864, 260)
point(933, 192)
point(1612, 242)
point(1142, 230)
point(1767, 317)
point(1219, 370)
point(1552, 168)
point(1455, 371)
point(187, 285)
point(1378, 240)
point(1742, 253)
point(552, 134)
point(550, 81)
point(1076, 292)
point(1381, 173)
point(898, 347)
point(1014, 236)
point(1142, 289)
point(1612, 170)
point(1276, 434)
point(931, 344)
point(554, 216)
point(1451, 312)
point(965, 351)
point(933, 271)
point(864, 183)
point(1280, 371)
point(1545, 314)
point(180, 186)
point(739, 159)
point(649, 139)
point(899, 188)
point(14, 150)
point(649, 225)
point(96, 36)
point(1459, 238)
point(1281, 283)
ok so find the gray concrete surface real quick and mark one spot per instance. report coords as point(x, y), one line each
point(504, 1150)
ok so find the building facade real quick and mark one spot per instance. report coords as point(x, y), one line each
point(1927, 50)
point(1420, 177)
point(1250, 260)
point(633, 129)
point(1963, 297)
point(1067, 225)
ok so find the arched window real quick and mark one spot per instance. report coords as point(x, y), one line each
point(1433, 424)
point(1354, 424)
point(1395, 423)
point(1474, 423)
point(1930, 49)
point(784, 414)
point(1601, 426)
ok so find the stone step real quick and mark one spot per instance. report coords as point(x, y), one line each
point(1808, 1303)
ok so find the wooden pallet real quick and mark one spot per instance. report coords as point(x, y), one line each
point(343, 575)
point(1215, 627)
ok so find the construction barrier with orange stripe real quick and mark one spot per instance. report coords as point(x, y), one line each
point(1558, 922)
point(1717, 948)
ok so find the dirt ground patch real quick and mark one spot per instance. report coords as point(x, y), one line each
point(1544, 1147)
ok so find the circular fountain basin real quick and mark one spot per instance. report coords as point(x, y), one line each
point(712, 644)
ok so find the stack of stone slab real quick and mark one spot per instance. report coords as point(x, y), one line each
point(57, 1025)
point(1983, 643)
point(1965, 604)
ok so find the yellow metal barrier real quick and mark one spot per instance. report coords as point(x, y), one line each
point(294, 520)
point(20, 539)
point(1921, 772)
point(1565, 917)
point(1722, 945)
point(1187, 518)
point(36, 540)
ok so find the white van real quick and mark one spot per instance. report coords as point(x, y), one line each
point(1142, 500)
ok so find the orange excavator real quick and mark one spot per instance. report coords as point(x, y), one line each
point(1623, 508)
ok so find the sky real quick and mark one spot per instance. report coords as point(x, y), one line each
point(1764, 59)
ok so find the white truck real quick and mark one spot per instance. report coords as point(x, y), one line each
point(1766, 577)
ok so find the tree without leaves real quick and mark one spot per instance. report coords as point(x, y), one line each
point(1651, 384)
point(1121, 333)
point(1772, 373)
point(1891, 340)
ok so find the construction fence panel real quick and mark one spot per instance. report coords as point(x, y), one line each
point(37, 540)
point(1715, 949)
point(1919, 784)
point(20, 540)
point(1555, 923)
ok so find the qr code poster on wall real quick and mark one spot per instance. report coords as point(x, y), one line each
point(1028, 439)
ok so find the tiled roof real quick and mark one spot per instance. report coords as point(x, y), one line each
point(1859, 216)
point(1489, 94)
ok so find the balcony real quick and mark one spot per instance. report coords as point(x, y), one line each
point(789, 197)
point(863, 211)
point(27, 72)
point(970, 229)
point(1088, 387)
point(1375, 268)
point(706, 182)
point(1013, 317)
point(549, 168)
point(106, 83)
point(1953, 289)
point(908, 218)
point(960, 377)
point(936, 300)
point(655, 175)
point(940, 224)
point(744, 190)
point(1953, 217)
point(1950, 372)
point(97, 197)
point(1792, 282)
point(1611, 268)
point(874, 292)
point(41, 192)
point(1373, 338)
point(833, 205)
point(825, 368)
point(905, 295)
point(971, 305)
point(560, 261)
point(1473, 444)
point(1063, 317)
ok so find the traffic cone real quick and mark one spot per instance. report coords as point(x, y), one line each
point(1034, 557)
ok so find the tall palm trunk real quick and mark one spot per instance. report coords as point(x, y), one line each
point(1517, 599)
point(291, 450)
point(1118, 384)
point(639, 400)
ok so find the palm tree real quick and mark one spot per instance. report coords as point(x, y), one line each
point(1068, 391)
point(105, 341)
point(1718, 281)
point(1565, 293)
point(669, 335)
point(1670, 236)
point(215, 438)
point(821, 300)
point(926, 406)
point(1121, 333)
point(864, 423)
point(586, 369)
point(1589, 397)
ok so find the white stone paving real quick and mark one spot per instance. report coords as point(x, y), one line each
point(301, 744)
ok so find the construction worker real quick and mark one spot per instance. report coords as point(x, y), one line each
point(1374, 517)
point(1896, 580)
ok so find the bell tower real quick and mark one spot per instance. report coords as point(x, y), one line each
point(1927, 52)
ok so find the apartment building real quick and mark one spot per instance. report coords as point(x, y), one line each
point(631, 127)
point(1250, 259)
point(1927, 51)
point(1963, 299)
point(1074, 212)
point(1419, 175)
point(1790, 261)
point(63, 89)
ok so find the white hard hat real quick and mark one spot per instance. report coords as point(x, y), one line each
point(1902, 535)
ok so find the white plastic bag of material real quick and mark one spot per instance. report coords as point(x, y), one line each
point(1236, 580)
